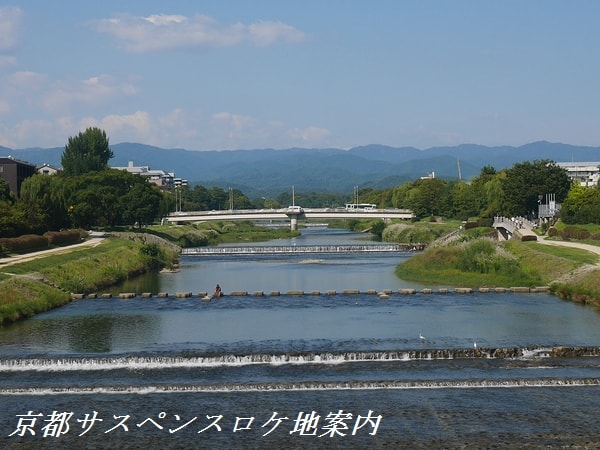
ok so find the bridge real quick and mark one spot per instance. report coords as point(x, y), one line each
point(518, 227)
point(302, 249)
point(292, 213)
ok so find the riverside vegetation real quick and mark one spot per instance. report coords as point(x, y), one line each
point(466, 257)
point(35, 286)
point(474, 258)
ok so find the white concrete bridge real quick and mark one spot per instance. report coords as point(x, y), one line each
point(292, 213)
point(515, 226)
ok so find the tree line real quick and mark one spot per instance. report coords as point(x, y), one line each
point(87, 194)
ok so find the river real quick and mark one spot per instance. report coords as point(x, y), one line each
point(307, 371)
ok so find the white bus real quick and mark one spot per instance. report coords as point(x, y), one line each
point(360, 206)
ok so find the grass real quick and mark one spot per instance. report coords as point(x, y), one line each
point(219, 232)
point(570, 272)
point(471, 265)
point(22, 298)
point(35, 286)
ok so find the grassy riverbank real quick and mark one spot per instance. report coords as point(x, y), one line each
point(35, 286)
point(571, 273)
point(213, 233)
point(38, 285)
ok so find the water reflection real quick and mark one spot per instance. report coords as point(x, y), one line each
point(57, 332)
point(269, 273)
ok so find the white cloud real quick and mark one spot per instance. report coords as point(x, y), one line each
point(93, 91)
point(10, 19)
point(310, 134)
point(266, 33)
point(235, 122)
point(166, 32)
point(137, 124)
point(27, 80)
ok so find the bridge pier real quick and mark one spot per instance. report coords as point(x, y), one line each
point(293, 215)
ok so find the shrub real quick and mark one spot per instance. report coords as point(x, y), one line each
point(24, 243)
point(485, 222)
point(64, 237)
point(529, 237)
point(153, 256)
point(577, 233)
point(193, 239)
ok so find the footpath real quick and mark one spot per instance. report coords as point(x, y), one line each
point(590, 248)
point(16, 259)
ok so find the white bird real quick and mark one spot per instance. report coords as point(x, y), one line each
point(474, 344)
point(421, 337)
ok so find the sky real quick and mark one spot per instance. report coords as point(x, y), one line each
point(241, 74)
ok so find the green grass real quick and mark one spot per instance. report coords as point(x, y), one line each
point(221, 232)
point(475, 264)
point(22, 298)
point(71, 256)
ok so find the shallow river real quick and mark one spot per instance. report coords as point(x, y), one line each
point(312, 371)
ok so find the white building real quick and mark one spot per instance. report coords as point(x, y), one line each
point(47, 169)
point(164, 180)
point(585, 173)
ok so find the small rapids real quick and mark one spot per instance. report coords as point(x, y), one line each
point(307, 386)
point(149, 362)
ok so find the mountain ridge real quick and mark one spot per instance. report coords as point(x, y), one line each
point(268, 172)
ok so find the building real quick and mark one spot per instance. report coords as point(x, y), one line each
point(47, 169)
point(14, 171)
point(164, 180)
point(585, 173)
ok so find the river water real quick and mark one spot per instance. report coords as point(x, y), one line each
point(310, 371)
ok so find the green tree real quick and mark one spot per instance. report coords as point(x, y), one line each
point(526, 180)
point(424, 197)
point(108, 198)
point(88, 151)
point(464, 200)
point(581, 206)
point(141, 204)
point(42, 200)
point(5, 194)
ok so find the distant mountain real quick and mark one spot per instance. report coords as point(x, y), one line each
point(268, 172)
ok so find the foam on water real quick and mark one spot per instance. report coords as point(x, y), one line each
point(69, 364)
point(309, 386)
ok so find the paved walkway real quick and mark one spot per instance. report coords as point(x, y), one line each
point(9, 261)
point(590, 248)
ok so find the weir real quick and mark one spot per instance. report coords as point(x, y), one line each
point(302, 249)
point(68, 364)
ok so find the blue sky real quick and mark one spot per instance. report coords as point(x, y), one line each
point(241, 74)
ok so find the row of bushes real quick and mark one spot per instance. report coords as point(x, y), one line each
point(30, 242)
point(571, 232)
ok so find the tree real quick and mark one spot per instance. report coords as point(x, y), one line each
point(526, 180)
point(43, 201)
point(5, 194)
point(141, 204)
point(581, 206)
point(86, 152)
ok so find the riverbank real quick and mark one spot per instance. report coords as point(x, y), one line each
point(34, 283)
point(571, 269)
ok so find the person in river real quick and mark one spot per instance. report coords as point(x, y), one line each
point(218, 291)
